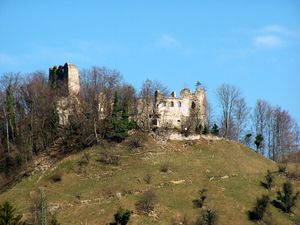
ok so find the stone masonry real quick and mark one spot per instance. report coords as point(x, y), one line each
point(177, 112)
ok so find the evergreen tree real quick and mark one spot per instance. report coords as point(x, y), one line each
point(53, 221)
point(205, 130)
point(122, 216)
point(119, 120)
point(258, 141)
point(269, 179)
point(215, 130)
point(260, 208)
point(208, 217)
point(286, 198)
point(8, 215)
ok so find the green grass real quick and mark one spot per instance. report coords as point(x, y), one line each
point(87, 193)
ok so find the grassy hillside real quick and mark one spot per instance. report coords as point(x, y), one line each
point(90, 192)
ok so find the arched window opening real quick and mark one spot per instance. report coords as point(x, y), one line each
point(193, 105)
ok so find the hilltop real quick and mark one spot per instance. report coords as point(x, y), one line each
point(89, 186)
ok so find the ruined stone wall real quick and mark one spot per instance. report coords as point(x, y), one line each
point(65, 80)
point(73, 80)
point(173, 112)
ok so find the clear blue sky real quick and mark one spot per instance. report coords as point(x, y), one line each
point(252, 44)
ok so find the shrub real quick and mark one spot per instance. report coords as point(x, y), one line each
point(286, 199)
point(205, 130)
point(148, 178)
point(19, 160)
point(57, 176)
point(164, 167)
point(208, 217)
point(260, 208)
point(282, 169)
point(146, 204)
point(135, 142)
point(8, 164)
point(199, 202)
point(109, 158)
point(122, 216)
point(8, 215)
point(53, 220)
point(269, 180)
point(258, 141)
point(215, 130)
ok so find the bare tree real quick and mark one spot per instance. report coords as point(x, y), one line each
point(39, 103)
point(228, 97)
point(279, 130)
point(147, 99)
point(260, 120)
point(241, 112)
point(9, 88)
point(97, 90)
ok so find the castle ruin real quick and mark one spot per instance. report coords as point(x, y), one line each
point(65, 81)
point(185, 111)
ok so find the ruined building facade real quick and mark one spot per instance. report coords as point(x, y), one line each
point(186, 111)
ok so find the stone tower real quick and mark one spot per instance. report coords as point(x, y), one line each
point(65, 79)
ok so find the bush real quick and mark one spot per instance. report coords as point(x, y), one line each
point(205, 130)
point(109, 158)
point(215, 130)
point(135, 142)
point(57, 176)
point(19, 160)
point(122, 216)
point(199, 202)
point(164, 168)
point(282, 169)
point(208, 217)
point(148, 178)
point(8, 164)
point(8, 215)
point(53, 220)
point(146, 204)
point(286, 200)
point(260, 208)
point(269, 180)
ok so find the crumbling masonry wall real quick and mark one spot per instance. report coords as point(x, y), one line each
point(177, 112)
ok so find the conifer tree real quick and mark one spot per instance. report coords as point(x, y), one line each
point(8, 215)
point(215, 130)
point(119, 120)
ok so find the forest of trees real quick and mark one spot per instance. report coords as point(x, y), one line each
point(29, 120)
